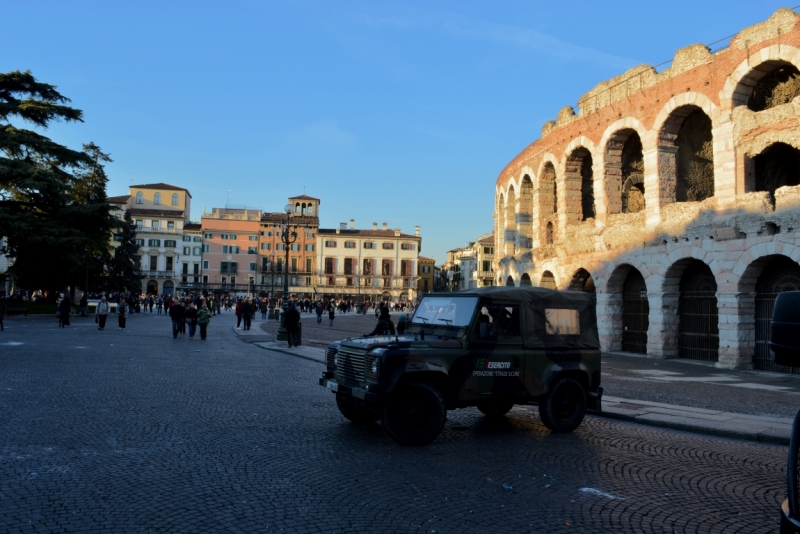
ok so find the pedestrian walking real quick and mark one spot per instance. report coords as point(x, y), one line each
point(203, 319)
point(191, 319)
point(176, 314)
point(84, 305)
point(101, 313)
point(331, 314)
point(247, 313)
point(319, 311)
point(159, 305)
point(292, 324)
point(62, 312)
point(239, 313)
point(122, 314)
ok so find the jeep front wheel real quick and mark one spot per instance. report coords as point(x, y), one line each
point(415, 414)
point(355, 413)
point(495, 407)
point(562, 410)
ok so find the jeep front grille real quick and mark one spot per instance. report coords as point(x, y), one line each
point(330, 354)
point(352, 364)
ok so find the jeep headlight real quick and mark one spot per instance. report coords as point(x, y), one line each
point(375, 366)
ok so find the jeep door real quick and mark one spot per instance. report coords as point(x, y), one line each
point(496, 350)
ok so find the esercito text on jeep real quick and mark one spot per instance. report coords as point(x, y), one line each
point(491, 348)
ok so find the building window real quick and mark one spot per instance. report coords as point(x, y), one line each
point(330, 244)
point(138, 223)
point(369, 245)
point(234, 237)
point(157, 199)
point(174, 199)
point(388, 246)
point(348, 265)
point(264, 246)
point(228, 267)
point(208, 236)
point(252, 238)
point(196, 251)
point(426, 269)
point(234, 250)
point(138, 242)
point(197, 239)
point(139, 198)
point(266, 234)
point(171, 225)
point(252, 266)
point(205, 264)
point(187, 251)
point(153, 224)
point(223, 236)
point(280, 246)
point(252, 250)
point(224, 249)
point(310, 235)
point(330, 266)
point(408, 246)
point(309, 248)
point(331, 280)
point(170, 243)
point(349, 244)
point(294, 265)
point(488, 250)
point(187, 238)
point(153, 242)
point(206, 248)
point(295, 247)
point(405, 268)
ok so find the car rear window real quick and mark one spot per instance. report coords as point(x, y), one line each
point(560, 321)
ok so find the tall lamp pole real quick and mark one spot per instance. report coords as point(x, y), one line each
point(288, 236)
point(272, 288)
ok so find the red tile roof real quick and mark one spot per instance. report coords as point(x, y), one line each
point(161, 186)
point(366, 233)
point(118, 200)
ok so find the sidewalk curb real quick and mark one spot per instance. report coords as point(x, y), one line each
point(697, 429)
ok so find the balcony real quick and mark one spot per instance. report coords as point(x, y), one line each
point(146, 229)
point(156, 274)
point(479, 275)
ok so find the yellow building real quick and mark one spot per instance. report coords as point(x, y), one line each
point(425, 272)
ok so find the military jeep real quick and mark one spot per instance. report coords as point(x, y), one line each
point(490, 348)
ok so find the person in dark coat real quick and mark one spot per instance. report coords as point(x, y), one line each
point(191, 319)
point(176, 313)
point(385, 326)
point(84, 305)
point(122, 314)
point(238, 313)
point(247, 313)
point(292, 324)
point(64, 307)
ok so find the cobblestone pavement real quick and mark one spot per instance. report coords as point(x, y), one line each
point(136, 432)
point(681, 382)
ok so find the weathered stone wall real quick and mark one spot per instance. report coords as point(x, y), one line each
point(673, 178)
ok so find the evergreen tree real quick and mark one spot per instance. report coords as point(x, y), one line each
point(52, 211)
point(122, 275)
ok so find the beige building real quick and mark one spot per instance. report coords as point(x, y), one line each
point(376, 264)
point(425, 271)
point(159, 212)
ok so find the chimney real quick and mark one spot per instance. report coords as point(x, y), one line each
point(397, 232)
point(352, 224)
point(416, 231)
point(374, 226)
point(385, 226)
point(342, 226)
point(338, 230)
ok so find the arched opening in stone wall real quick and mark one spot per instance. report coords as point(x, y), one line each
point(548, 280)
point(501, 225)
point(686, 137)
point(635, 313)
point(582, 281)
point(525, 280)
point(548, 200)
point(632, 175)
point(169, 287)
point(525, 216)
point(579, 176)
point(778, 86)
point(152, 287)
point(510, 281)
point(548, 233)
point(698, 314)
point(778, 275)
point(777, 166)
point(511, 227)
point(624, 172)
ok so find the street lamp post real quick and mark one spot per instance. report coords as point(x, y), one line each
point(272, 288)
point(288, 236)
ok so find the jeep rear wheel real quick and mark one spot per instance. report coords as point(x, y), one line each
point(562, 410)
point(495, 407)
point(415, 414)
point(356, 413)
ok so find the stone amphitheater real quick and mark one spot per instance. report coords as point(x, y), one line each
point(674, 196)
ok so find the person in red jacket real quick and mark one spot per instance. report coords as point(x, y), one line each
point(239, 312)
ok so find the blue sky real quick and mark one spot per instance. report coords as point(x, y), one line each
point(403, 112)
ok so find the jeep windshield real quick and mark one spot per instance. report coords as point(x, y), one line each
point(445, 311)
